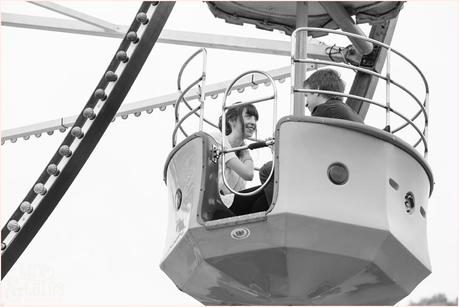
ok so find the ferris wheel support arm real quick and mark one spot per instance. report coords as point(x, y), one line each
point(316, 48)
point(77, 15)
point(364, 85)
point(57, 25)
point(89, 128)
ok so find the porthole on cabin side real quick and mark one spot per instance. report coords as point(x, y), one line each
point(338, 173)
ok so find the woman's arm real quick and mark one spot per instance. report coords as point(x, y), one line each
point(242, 166)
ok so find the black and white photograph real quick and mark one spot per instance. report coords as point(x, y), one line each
point(250, 153)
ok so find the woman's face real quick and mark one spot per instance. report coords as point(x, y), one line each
point(245, 126)
point(249, 124)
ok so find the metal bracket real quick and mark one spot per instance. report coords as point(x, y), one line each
point(216, 152)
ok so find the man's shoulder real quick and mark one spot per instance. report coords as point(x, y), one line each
point(330, 107)
point(337, 109)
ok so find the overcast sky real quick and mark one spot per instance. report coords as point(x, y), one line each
point(104, 241)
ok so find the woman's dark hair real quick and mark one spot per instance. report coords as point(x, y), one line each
point(236, 114)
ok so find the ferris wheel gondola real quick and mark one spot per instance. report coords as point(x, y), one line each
point(347, 223)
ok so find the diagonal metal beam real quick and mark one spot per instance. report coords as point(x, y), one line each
point(57, 24)
point(167, 36)
point(316, 48)
point(77, 15)
point(89, 127)
point(342, 18)
point(364, 85)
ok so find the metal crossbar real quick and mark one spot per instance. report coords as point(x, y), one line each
point(202, 94)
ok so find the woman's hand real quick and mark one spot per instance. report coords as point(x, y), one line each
point(243, 165)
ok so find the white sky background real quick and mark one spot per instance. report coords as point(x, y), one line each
point(104, 241)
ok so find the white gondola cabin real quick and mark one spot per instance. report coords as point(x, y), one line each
point(347, 223)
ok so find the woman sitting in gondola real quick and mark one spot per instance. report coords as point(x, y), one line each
point(241, 124)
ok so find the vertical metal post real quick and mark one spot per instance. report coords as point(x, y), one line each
point(300, 51)
point(202, 91)
point(388, 90)
point(364, 85)
point(201, 107)
point(426, 124)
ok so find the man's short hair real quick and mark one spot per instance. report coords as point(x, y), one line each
point(326, 80)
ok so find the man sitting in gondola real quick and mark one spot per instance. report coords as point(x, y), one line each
point(320, 105)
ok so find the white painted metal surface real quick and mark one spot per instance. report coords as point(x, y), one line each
point(321, 244)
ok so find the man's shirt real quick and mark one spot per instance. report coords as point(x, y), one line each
point(335, 108)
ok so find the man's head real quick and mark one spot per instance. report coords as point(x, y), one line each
point(243, 119)
point(325, 80)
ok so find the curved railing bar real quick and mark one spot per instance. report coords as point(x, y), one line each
point(204, 119)
point(241, 104)
point(417, 143)
point(421, 106)
point(422, 136)
point(426, 85)
point(389, 49)
point(179, 125)
point(202, 78)
point(182, 69)
point(367, 39)
point(180, 98)
point(371, 102)
point(370, 40)
point(423, 109)
point(190, 108)
point(415, 116)
point(224, 108)
point(178, 103)
point(201, 93)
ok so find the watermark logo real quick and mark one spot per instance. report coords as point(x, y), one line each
point(30, 281)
